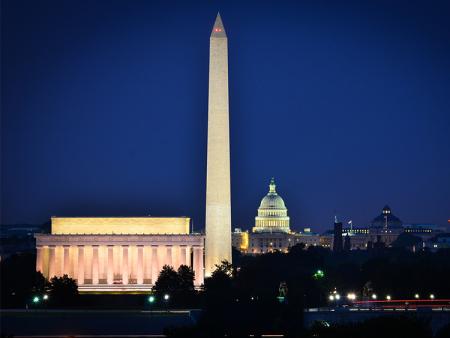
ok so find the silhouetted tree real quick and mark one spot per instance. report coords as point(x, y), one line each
point(407, 241)
point(218, 300)
point(18, 278)
point(41, 285)
point(63, 291)
point(178, 284)
point(167, 281)
point(186, 278)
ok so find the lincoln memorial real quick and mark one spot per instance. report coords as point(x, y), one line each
point(118, 253)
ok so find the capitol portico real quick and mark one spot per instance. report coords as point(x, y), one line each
point(100, 259)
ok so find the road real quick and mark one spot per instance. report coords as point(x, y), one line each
point(89, 323)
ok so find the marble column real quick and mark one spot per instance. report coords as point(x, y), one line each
point(110, 265)
point(155, 264)
point(51, 262)
point(188, 256)
point(169, 260)
point(176, 256)
point(140, 264)
point(183, 260)
point(95, 269)
point(39, 265)
point(147, 263)
point(66, 269)
point(198, 266)
point(125, 264)
point(102, 262)
point(80, 264)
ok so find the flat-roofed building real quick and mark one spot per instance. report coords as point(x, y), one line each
point(118, 253)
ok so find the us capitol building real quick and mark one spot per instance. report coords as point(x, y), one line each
point(272, 232)
point(272, 213)
point(272, 228)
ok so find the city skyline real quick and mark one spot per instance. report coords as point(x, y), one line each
point(335, 141)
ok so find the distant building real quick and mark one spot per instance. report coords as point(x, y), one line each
point(440, 241)
point(17, 238)
point(347, 243)
point(382, 232)
point(240, 240)
point(386, 220)
point(337, 236)
point(421, 229)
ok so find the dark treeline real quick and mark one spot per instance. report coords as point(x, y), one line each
point(243, 298)
point(394, 271)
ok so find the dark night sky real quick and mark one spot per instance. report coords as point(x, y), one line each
point(104, 108)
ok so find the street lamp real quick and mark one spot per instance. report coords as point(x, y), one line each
point(331, 298)
point(337, 296)
point(151, 299)
point(374, 296)
point(388, 297)
point(45, 297)
point(416, 296)
point(351, 296)
point(431, 296)
point(166, 298)
point(36, 299)
point(319, 274)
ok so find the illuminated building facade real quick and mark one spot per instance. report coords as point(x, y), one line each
point(272, 229)
point(118, 253)
point(272, 213)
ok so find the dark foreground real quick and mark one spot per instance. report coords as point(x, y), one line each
point(85, 322)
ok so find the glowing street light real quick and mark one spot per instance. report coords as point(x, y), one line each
point(166, 297)
point(319, 274)
point(416, 296)
point(36, 299)
point(374, 296)
point(337, 296)
point(331, 298)
point(151, 299)
point(388, 297)
point(351, 296)
point(45, 297)
point(431, 296)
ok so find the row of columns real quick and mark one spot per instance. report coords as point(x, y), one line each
point(159, 256)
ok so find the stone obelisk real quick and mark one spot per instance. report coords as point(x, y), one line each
point(218, 199)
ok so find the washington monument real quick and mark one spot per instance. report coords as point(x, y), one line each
point(218, 199)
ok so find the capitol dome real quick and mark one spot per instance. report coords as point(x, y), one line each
point(272, 201)
point(272, 213)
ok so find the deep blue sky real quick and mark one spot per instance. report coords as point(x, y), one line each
point(104, 108)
